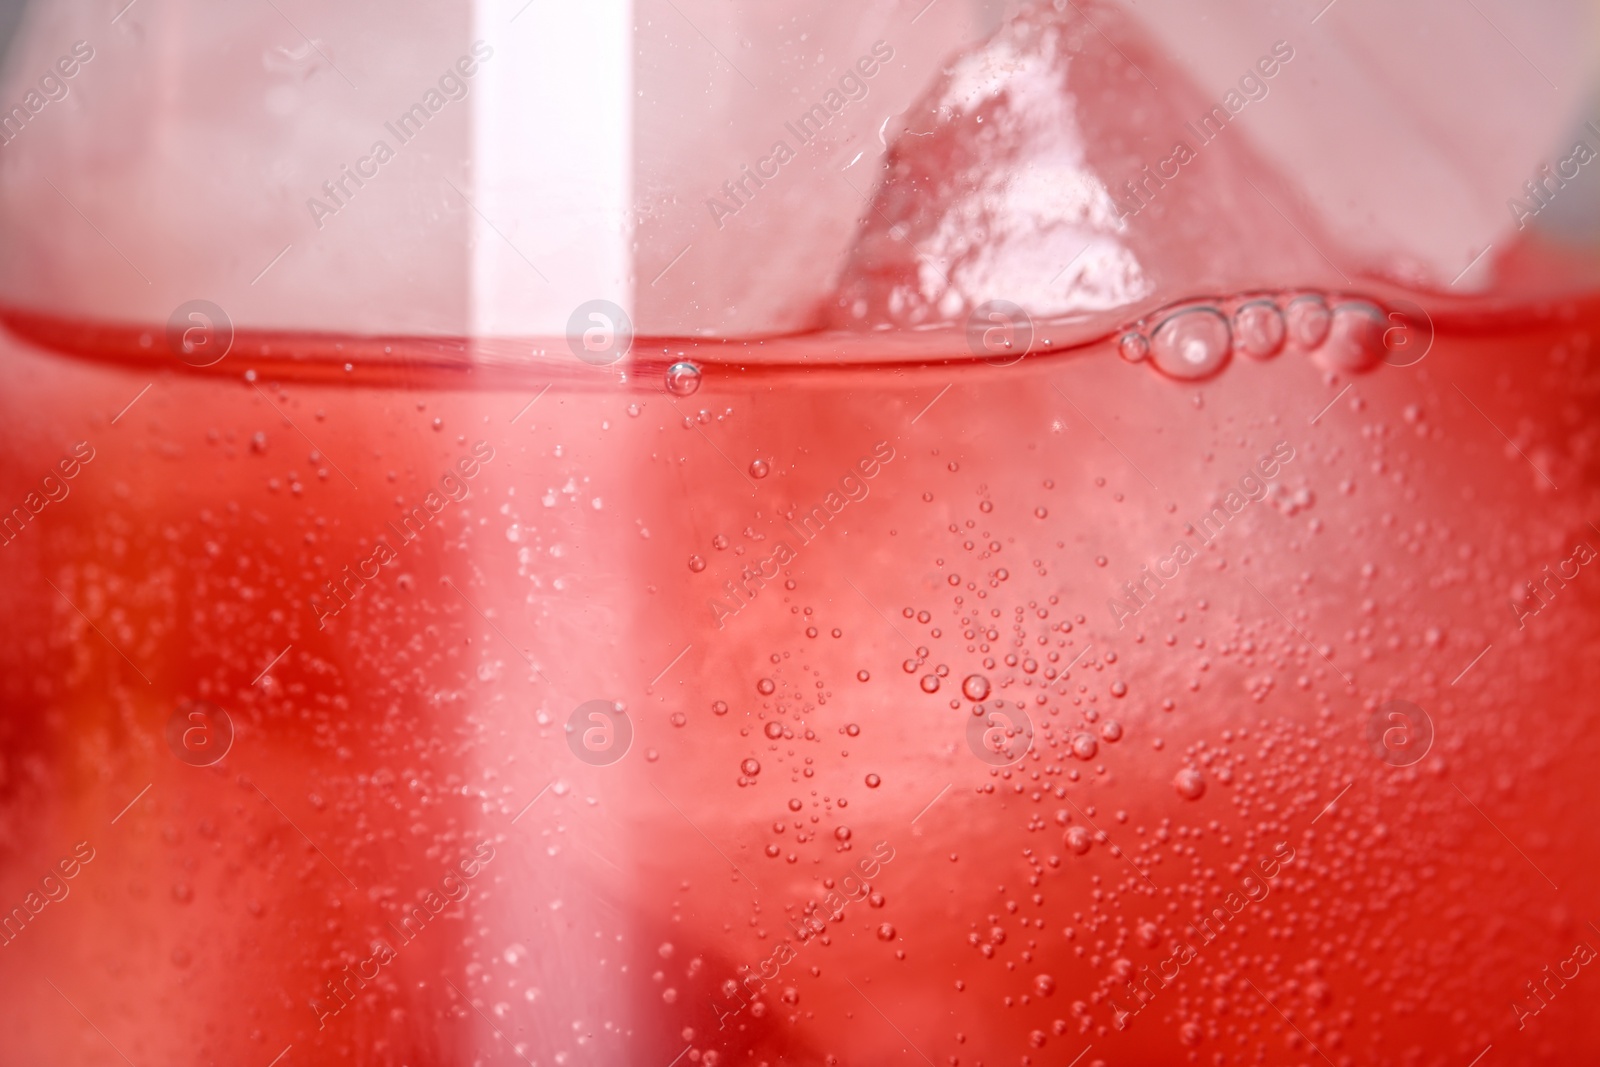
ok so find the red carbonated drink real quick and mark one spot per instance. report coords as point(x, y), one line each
point(781, 714)
point(1110, 619)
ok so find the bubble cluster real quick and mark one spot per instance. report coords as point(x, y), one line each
point(1196, 341)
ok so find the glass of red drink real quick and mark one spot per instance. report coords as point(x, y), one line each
point(482, 591)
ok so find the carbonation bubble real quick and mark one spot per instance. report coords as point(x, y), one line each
point(1084, 746)
point(1133, 347)
point(1189, 783)
point(1307, 321)
point(750, 768)
point(1258, 329)
point(842, 833)
point(760, 468)
point(683, 379)
point(873, 781)
point(1077, 839)
point(886, 932)
point(766, 686)
point(773, 730)
point(719, 707)
point(1044, 985)
point(1192, 344)
point(795, 804)
point(697, 564)
point(930, 683)
point(863, 676)
point(975, 687)
point(1355, 337)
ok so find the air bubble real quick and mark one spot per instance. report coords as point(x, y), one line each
point(1307, 320)
point(1084, 746)
point(975, 687)
point(1192, 344)
point(1133, 347)
point(1355, 337)
point(1077, 840)
point(1258, 329)
point(766, 686)
point(886, 932)
point(750, 768)
point(760, 468)
point(1190, 783)
point(697, 564)
point(773, 730)
point(683, 379)
point(873, 781)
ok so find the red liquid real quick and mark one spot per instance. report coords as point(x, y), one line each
point(1186, 754)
